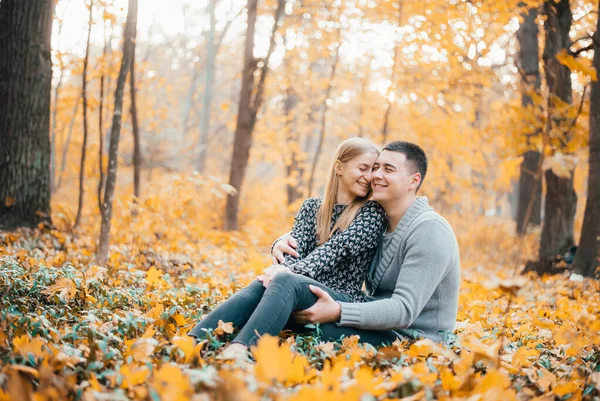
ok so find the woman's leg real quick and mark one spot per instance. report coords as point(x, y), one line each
point(237, 309)
point(333, 332)
point(287, 293)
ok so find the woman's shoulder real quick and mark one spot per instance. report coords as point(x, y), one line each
point(312, 202)
point(310, 205)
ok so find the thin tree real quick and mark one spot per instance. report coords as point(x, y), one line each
point(250, 101)
point(530, 186)
point(137, 153)
point(326, 103)
point(211, 56)
point(101, 180)
point(293, 168)
point(113, 152)
point(85, 121)
point(63, 159)
point(61, 68)
point(25, 92)
point(586, 258)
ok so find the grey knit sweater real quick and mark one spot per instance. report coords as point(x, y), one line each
point(414, 279)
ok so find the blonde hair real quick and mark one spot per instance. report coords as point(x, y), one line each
point(346, 151)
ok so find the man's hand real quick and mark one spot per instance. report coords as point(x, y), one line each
point(270, 273)
point(325, 310)
point(285, 245)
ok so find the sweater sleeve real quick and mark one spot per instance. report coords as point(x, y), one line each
point(361, 235)
point(428, 257)
point(304, 230)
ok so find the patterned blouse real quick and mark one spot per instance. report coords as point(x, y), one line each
point(343, 261)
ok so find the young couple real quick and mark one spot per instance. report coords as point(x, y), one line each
point(371, 228)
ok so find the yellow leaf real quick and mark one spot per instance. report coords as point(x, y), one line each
point(133, 375)
point(172, 384)
point(154, 277)
point(564, 388)
point(156, 311)
point(9, 201)
point(223, 328)
point(65, 288)
point(25, 346)
point(140, 349)
point(186, 344)
point(493, 379)
point(275, 363)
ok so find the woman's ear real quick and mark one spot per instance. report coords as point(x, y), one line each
point(338, 167)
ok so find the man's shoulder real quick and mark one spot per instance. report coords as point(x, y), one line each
point(431, 220)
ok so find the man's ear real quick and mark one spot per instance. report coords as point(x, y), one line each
point(416, 180)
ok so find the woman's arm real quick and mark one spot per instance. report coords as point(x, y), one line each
point(303, 231)
point(361, 235)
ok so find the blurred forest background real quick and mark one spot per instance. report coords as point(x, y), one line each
point(466, 80)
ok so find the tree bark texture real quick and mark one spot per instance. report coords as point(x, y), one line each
point(25, 91)
point(586, 259)
point(248, 109)
point(85, 120)
point(560, 200)
point(137, 151)
point(530, 180)
point(113, 151)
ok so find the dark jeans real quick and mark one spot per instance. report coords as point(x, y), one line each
point(258, 311)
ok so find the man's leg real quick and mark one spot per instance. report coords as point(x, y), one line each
point(287, 293)
point(237, 309)
point(333, 332)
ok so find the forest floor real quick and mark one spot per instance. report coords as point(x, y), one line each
point(72, 330)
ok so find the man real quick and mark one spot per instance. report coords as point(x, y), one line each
point(414, 279)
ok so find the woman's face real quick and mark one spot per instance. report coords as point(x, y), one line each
point(355, 174)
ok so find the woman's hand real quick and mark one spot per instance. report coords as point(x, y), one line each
point(270, 273)
point(285, 245)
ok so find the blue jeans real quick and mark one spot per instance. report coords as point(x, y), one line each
point(257, 311)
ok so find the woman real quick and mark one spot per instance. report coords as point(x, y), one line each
point(337, 238)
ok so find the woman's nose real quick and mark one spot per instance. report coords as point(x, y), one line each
point(367, 176)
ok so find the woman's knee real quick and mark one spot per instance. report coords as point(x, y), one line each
point(286, 280)
point(252, 292)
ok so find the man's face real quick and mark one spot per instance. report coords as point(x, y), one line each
point(393, 177)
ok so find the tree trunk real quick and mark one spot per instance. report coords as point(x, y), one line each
point(561, 200)
point(63, 160)
point(101, 120)
point(85, 125)
point(586, 258)
point(54, 114)
point(113, 152)
point(25, 91)
point(137, 152)
point(248, 109)
point(326, 103)
point(294, 171)
point(208, 87)
point(530, 180)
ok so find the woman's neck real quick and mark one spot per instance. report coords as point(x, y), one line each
point(343, 197)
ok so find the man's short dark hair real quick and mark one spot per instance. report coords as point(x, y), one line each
point(414, 154)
